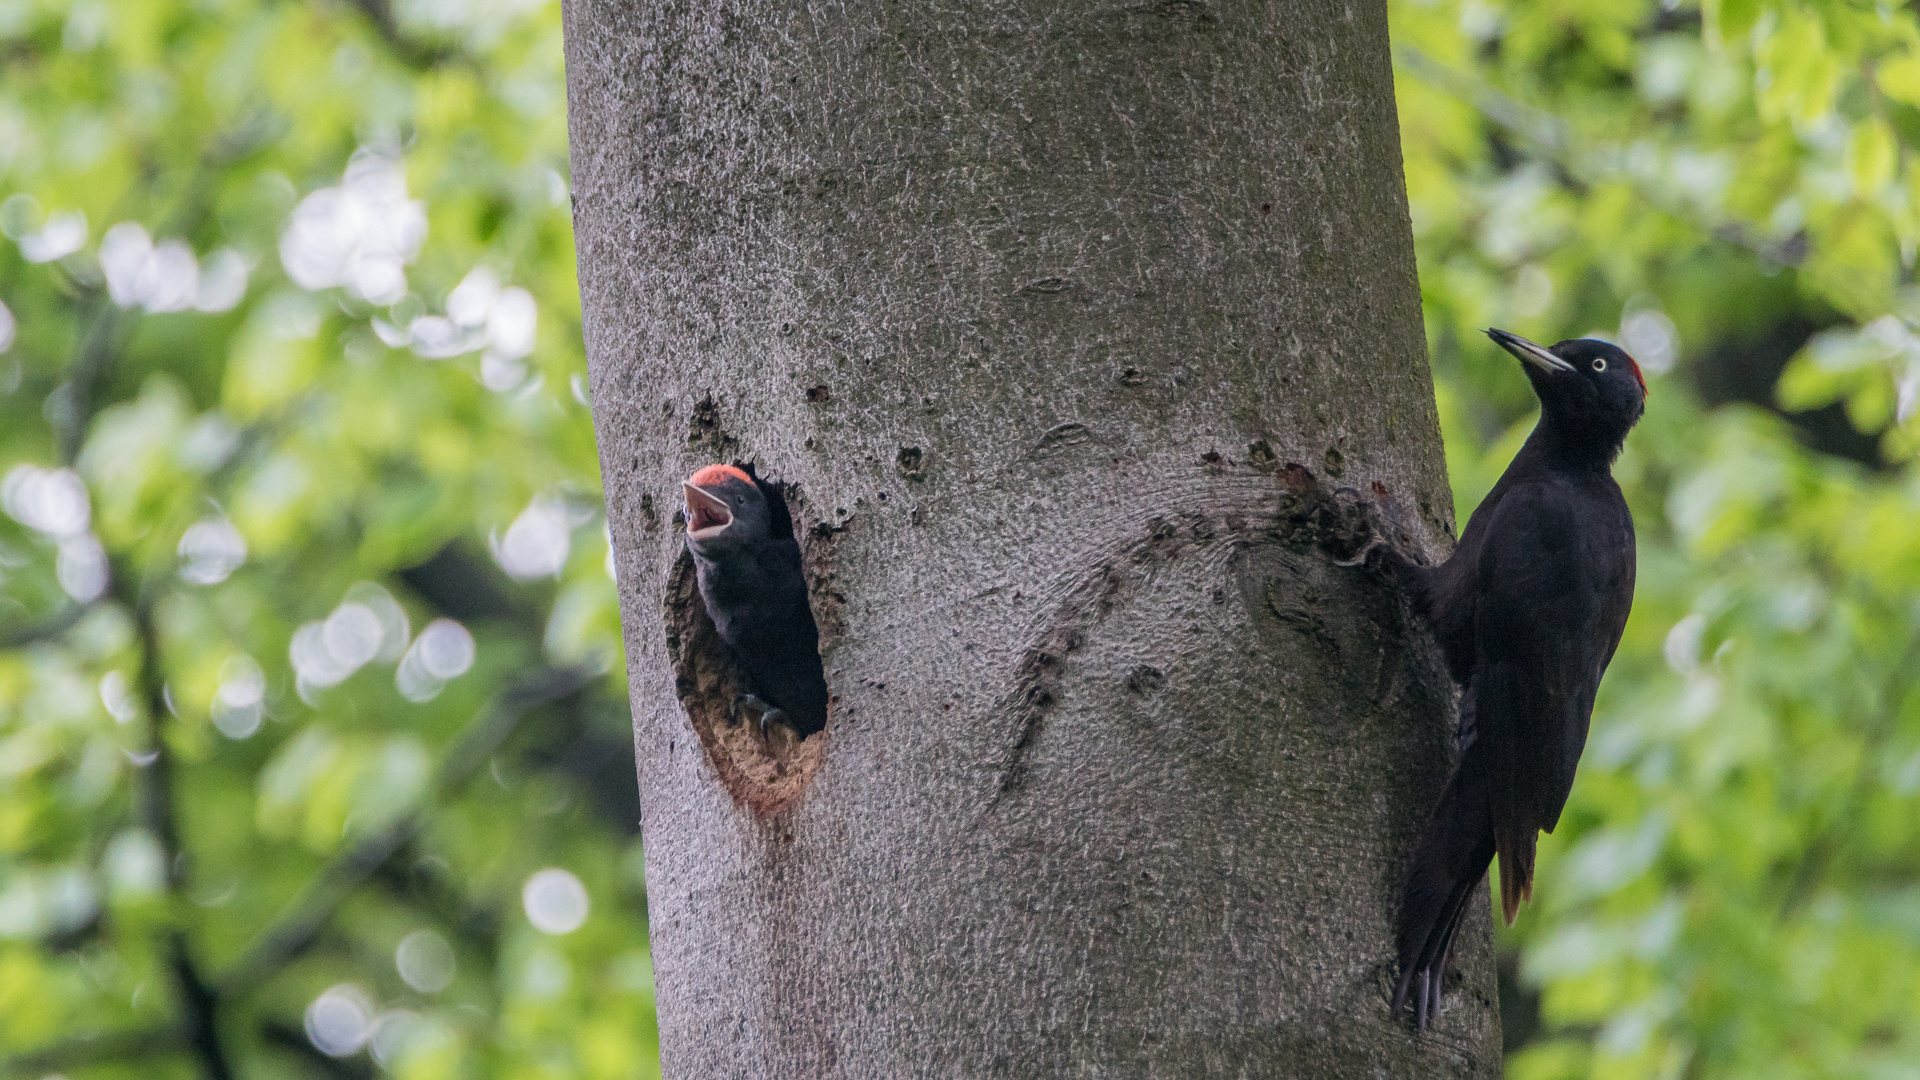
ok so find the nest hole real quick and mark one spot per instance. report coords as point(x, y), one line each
point(765, 774)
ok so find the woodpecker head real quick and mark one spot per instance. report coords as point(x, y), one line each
point(725, 508)
point(1588, 389)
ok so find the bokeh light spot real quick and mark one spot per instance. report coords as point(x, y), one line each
point(537, 543)
point(210, 551)
point(555, 901)
point(340, 1020)
point(425, 961)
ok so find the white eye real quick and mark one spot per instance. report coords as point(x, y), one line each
point(1600, 363)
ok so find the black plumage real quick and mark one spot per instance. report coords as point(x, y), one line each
point(747, 563)
point(1528, 611)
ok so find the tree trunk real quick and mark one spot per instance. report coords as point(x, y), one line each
point(1085, 338)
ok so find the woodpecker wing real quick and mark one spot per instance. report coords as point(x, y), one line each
point(780, 643)
point(1548, 614)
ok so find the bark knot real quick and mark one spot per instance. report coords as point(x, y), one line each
point(1285, 506)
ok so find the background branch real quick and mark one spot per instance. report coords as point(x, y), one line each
point(154, 808)
point(301, 922)
point(45, 630)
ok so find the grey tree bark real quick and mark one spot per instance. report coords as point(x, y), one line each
point(1087, 338)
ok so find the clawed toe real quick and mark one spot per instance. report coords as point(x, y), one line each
point(769, 714)
point(1360, 556)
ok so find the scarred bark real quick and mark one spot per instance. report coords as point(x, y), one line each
point(1085, 336)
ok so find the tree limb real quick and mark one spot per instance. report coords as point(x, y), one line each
point(154, 807)
point(294, 931)
point(82, 1051)
point(415, 54)
point(98, 348)
point(295, 1041)
point(52, 626)
point(100, 345)
point(303, 920)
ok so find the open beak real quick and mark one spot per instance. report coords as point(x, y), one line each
point(1529, 352)
point(707, 516)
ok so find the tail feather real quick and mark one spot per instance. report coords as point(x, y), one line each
point(1425, 974)
point(1449, 861)
point(1516, 848)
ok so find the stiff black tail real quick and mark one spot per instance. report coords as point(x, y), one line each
point(1449, 862)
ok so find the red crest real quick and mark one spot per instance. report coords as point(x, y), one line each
point(714, 475)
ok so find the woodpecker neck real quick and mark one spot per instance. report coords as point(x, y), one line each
point(1570, 445)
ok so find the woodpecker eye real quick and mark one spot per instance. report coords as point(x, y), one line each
point(1600, 363)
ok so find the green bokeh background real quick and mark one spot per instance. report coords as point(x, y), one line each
point(1728, 190)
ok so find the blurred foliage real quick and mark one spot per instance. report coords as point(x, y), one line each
point(309, 664)
point(1729, 191)
point(319, 670)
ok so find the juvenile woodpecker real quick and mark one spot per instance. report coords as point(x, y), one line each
point(1528, 611)
point(747, 562)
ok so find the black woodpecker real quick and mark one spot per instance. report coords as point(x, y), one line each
point(747, 561)
point(1528, 611)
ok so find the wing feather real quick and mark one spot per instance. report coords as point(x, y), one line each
point(1549, 609)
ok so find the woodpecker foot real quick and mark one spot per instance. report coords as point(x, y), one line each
point(769, 714)
point(1377, 526)
point(1360, 557)
point(1384, 523)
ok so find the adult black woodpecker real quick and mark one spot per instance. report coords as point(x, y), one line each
point(1528, 611)
point(747, 563)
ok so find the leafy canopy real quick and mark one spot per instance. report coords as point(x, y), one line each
point(310, 706)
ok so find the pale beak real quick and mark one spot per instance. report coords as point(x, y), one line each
point(1528, 351)
point(707, 516)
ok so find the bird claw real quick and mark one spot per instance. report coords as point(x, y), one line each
point(1383, 522)
point(1360, 557)
point(769, 714)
